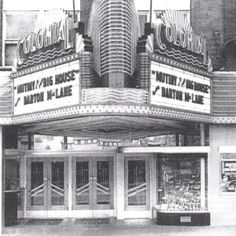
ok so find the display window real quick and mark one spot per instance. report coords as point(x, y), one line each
point(181, 183)
point(228, 176)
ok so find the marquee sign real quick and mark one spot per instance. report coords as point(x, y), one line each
point(48, 89)
point(176, 88)
point(172, 29)
point(57, 33)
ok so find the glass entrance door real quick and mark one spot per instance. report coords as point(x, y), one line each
point(36, 184)
point(82, 184)
point(137, 183)
point(93, 185)
point(47, 184)
point(57, 184)
point(102, 184)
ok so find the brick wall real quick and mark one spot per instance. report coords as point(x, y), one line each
point(216, 20)
point(230, 19)
point(85, 6)
point(207, 19)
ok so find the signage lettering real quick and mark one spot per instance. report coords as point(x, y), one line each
point(179, 82)
point(54, 34)
point(172, 93)
point(26, 87)
point(50, 89)
point(64, 92)
point(34, 98)
point(65, 77)
point(172, 33)
point(197, 99)
point(47, 82)
point(175, 88)
point(165, 78)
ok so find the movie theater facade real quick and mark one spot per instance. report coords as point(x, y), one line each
point(132, 122)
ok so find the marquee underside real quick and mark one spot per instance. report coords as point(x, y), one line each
point(109, 127)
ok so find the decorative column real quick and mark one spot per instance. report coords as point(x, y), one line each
point(203, 188)
point(153, 182)
point(70, 176)
point(203, 169)
point(1, 182)
point(23, 176)
point(120, 186)
point(202, 134)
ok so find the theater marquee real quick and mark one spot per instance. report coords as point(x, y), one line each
point(176, 88)
point(48, 89)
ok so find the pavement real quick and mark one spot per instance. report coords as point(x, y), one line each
point(71, 227)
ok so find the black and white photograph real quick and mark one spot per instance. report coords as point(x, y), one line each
point(118, 117)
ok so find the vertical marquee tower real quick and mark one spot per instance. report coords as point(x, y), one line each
point(113, 27)
point(1, 8)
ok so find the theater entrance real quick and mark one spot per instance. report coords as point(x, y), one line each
point(80, 187)
point(47, 184)
point(92, 183)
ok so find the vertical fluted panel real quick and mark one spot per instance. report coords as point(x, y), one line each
point(143, 71)
point(87, 76)
point(114, 29)
point(6, 93)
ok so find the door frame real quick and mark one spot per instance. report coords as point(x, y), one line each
point(92, 160)
point(74, 206)
point(65, 206)
point(28, 186)
point(147, 159)
point(46, 177)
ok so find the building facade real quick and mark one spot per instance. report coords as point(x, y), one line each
point(218, 28)
point(107, 122)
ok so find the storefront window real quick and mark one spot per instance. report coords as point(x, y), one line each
point(228, 176)
point(179, 183)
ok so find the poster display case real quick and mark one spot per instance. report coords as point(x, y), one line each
point(228, 176)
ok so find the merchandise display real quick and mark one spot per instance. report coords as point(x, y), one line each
point(179, 184)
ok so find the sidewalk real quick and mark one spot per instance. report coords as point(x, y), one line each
point(72, 227)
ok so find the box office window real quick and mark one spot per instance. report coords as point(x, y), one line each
point(181, 183)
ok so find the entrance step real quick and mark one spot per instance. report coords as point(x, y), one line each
point(43, 221)
point(94, 221)
point(139, 222)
